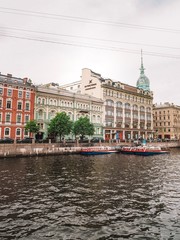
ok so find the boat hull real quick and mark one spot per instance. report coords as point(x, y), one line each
point(144, 153)
point(97, 153)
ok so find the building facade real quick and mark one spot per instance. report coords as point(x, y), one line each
point(127, 110)
point(51, 99)
point(17, 97)
point(166, 121)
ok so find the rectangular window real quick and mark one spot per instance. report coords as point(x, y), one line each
point(27, 106)
point(27, 95)
point(9, 93)
point(8, 117)
point(0, 103)
point(20, 94)
point(1, 91)
point(18, 118)
point(18, 132)
point(8, 104)
point(19, 106)
point(26, 118)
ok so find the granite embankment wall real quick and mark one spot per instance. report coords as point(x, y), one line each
point(20, 150)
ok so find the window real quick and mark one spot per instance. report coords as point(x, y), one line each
point(18, 132)
point(19, 106)
point(39, 100)
point(8, 104)
point(0, 117)
point(27, 95)
point(0, 103)
point(26, 118)
point(119, 104)
point(8, 117)
point(142, 109)
point(1, 91)
point(127, 106)
point(109, 102)
point(27, 106)
point(40, 114)
point(98, 119)
point(20, 94)
point(7, 132)
point(18, 118)
point(9, 92)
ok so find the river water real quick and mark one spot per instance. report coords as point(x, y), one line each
point(90, 197)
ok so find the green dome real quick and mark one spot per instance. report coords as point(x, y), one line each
point(143, 82)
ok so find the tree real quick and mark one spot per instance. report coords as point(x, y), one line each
point(32, 126)
point(83, 127)
point(60, 125)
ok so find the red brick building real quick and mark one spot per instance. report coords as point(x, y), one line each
point(17, 98)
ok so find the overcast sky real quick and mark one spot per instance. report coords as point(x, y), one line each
point(52, 41)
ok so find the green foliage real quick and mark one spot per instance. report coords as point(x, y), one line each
point(32, 126)
point(60, 125)
point(83, 127)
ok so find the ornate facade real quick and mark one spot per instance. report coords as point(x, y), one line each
point(167, 121)
point(51, 99)
point(127, 112)
point(16, 106)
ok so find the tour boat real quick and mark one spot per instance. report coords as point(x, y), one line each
point(143, 150)
point(98, 150)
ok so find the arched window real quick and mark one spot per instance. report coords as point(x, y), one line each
point(7, 132)
point(148, 109)
point(142, 109)
point(119, 104)
point(127, 106)
point(39, 100)
point(109, 102)
point(135, 107)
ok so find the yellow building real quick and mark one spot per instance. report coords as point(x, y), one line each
point(166, 121)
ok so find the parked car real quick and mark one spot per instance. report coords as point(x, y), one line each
point(25, 140)
point(97, 139)
point(84, 140)
point(69, 140)
point(6, 140)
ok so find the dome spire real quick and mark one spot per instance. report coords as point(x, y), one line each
point(142, 67)
point(143, 81)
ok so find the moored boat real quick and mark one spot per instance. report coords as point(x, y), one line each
point(144, 150)
point(98, 150)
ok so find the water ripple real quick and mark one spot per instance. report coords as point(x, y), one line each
point(104, 197)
